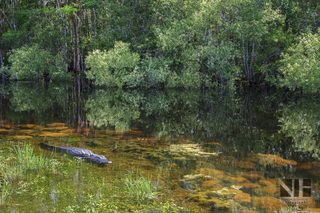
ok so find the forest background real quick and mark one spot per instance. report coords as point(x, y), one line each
point(163, 43)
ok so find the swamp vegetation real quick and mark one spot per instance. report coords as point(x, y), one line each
point(202, 106)
point(174, 43)
point(173, 150)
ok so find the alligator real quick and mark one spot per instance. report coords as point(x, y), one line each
point(83, 153)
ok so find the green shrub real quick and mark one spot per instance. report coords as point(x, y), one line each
point(110, 68)
point(32, 62)
point(152, 71)
point(301, 64)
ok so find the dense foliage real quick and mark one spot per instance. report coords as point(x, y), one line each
point(301, 65)
point(165, 43)
point(35, 63)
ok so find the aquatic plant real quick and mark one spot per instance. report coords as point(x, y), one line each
point(28, 161)
point(139, 187)
point(17, 164)
point(22, 161)
point(118, 205)
point(5, 192)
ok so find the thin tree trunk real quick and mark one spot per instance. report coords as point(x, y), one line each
point(64, 47)
point(14, 21)
point(87, 24)
point(66, 106)
point(44, 9)
point(247, 58)
point(73, 45)
point(244, 57)
point(78, 101)
point(64, 36)
point(93, 20)
point(76, 48)
point(252, 57)
point(6, 18)
point(1, 59)
point(80, 55)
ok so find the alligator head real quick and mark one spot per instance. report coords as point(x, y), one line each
point(99, 158)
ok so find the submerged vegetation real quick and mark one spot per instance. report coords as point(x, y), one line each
point(134, 192)
point(20, 161)
point(138, 194)
point(163, 43)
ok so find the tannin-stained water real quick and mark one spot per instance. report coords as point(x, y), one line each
point(209, 151)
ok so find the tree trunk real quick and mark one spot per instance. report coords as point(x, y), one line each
point(44, 9)
point(93, 20)
point(64, 37)
point(64, 47)
point(1, 59)
point(246, 56)
point(66, 106)
point(252, 59)
point(76, 48)
point(87, 24)
point(1, 65)
point(14, 21)
point(81, 55)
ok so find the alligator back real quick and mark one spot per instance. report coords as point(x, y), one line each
point(83, 153)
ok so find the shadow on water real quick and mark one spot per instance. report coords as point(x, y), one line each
point(210, 150)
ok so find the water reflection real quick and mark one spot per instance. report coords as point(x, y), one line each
point(220, 150)
point(117, 109)
point(301, 122)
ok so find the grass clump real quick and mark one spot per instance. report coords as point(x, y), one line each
point(139, 187)
point(28, 161)
point(6, 191)
point(20, 161)
point(23, 160)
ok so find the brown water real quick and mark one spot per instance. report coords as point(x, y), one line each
point(210, 151)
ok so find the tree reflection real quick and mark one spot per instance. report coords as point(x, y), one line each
point(114, 108)
point(199, 116)
point(301, 121)
point(244, 122)
point(37, 100)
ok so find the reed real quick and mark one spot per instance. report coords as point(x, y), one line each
point(15, 166)
point(28, 161)
point(140, 187)
point(22, 161)
point(6, 191)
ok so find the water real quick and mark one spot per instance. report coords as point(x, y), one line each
point(208, 151)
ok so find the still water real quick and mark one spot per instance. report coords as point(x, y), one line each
point(206, 150)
